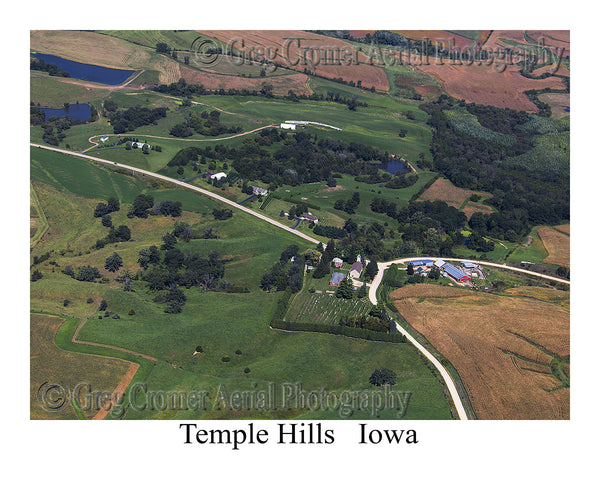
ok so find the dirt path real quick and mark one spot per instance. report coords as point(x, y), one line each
point(118, 392)
point(112, 347)
point(175, 138)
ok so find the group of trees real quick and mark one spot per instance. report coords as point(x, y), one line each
point(144, 205)
point(377, 320)
point(297, 158)
point(286, 273)
point(206, 123)
point(40, 65)
point(85, 273)
point(524, 193)
point(349, 205)
point(167, 273)
point(111, 205)
point(131, 118)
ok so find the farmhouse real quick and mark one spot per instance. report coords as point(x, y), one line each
point(356, 270)
point(309, 217)
point(338, 262)
point(288, 126)
point(336, 278)
point(259, 190)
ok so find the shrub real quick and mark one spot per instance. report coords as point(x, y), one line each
point(35, 276)
point(132, 312)
point(238, 352)
point(116, 316)
point(225, 358)
point(199, 349)
point(103, 305)
point(246, 370)
point(383, 376)
point(90, 300)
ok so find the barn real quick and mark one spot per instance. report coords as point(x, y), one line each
point(419, 263)
point(455, 273)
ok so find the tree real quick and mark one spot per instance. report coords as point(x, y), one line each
point(331, 182)
point(345, 289)
point(362, 291)
point(410, 270)
point(169, 241)
point(106, 221)
point(114, 262)
point(36, 275)
point(371, 270)
point(113, 204)
point(383, 376)
point(434, 273)
point(103, 305)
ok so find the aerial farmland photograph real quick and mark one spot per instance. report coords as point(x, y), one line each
point(299, 225)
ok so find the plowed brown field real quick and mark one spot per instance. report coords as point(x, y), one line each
point(369, 75)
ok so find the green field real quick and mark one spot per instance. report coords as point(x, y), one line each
point(222, 323)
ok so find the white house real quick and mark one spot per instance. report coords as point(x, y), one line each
point(103, 139)
point(139, 144)
point(218, 176)
point(288, 126)
point(338, 262)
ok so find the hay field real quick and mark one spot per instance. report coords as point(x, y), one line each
point(50, 364)
point(490, 340)
point(558, 246)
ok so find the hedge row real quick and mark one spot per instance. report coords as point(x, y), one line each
point(339, 330)
point(423, 188)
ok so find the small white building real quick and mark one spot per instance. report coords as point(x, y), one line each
point(439, 263)
point(218, 176)
point(139, 144)
point(338, 262)
point(103, 139)
point(288, 126)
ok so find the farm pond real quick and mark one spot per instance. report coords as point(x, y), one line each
point(86, 71)
point(80, 111)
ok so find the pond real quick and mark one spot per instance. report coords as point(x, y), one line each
point(393, 166)
point(85, 71)
point(80, 111)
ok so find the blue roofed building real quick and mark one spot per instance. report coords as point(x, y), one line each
point(336, 278)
